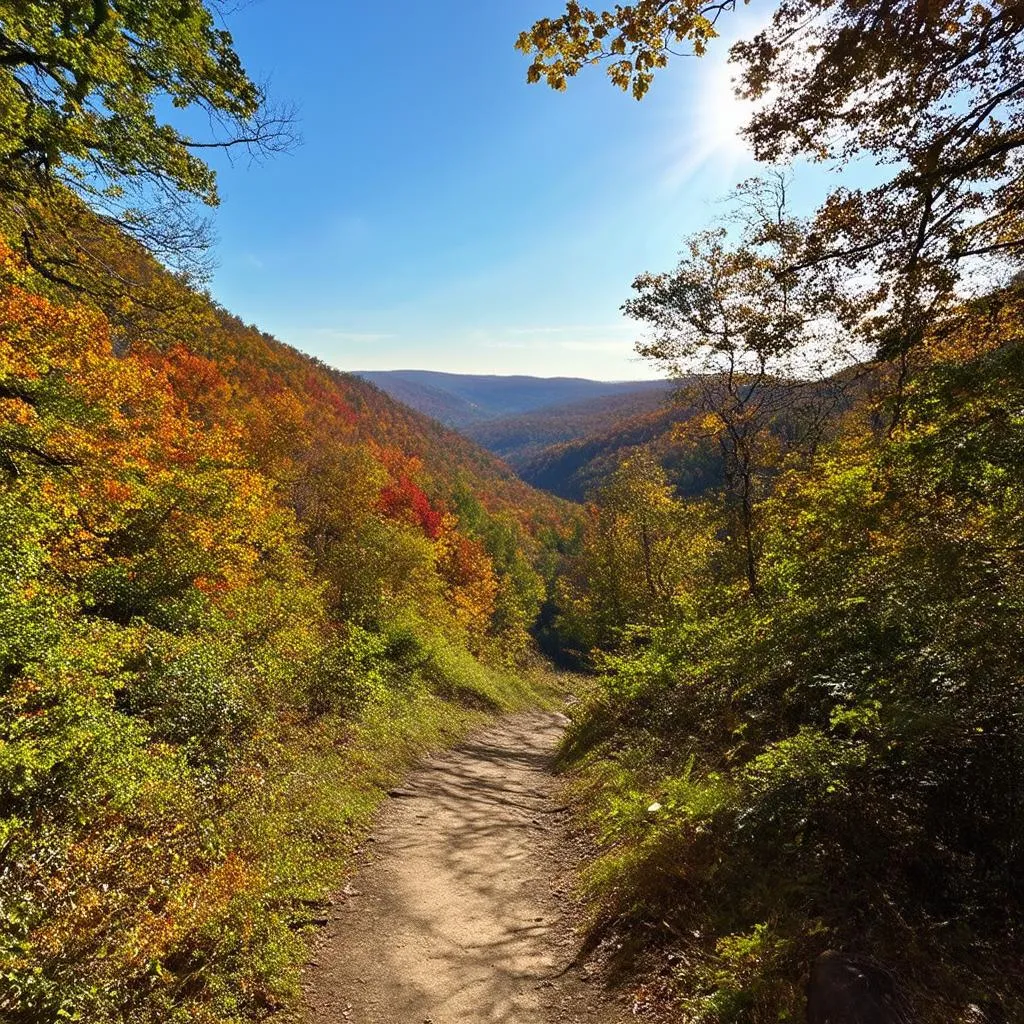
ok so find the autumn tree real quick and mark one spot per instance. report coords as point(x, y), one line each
point(632, 41)
point(932, 92)
point(641, 550)
point(756, 344)
point(83, 88)
point(520, 589)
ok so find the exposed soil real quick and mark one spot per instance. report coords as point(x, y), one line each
point(463, 912)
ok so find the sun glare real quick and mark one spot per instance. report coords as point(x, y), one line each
point(709, 126)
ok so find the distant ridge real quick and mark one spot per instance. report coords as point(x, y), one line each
point(460, 400)
point(520, 438)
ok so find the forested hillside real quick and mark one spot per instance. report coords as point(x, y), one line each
point(803, 757)
point(819, 758)
point(517, 438)
point(676, 433)
point(238, 589)
point(603, 436)
point(563, 444)
point(241, 591)
point(467, 400)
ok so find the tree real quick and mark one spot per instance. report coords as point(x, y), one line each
point(934, 92)
point(635, 40)
point(757, 345)
point(82, 84)
point(642, 550)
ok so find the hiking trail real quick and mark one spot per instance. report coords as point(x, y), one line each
point(462, 911)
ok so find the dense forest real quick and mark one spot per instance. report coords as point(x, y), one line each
point(238, 588)
point(602, 438)
point(555, 439)
point(241, 591)
point(469, 401)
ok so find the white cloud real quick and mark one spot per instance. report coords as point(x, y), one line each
point(596, 345)
point(571, 329)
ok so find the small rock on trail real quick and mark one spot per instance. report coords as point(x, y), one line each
point(455, 920)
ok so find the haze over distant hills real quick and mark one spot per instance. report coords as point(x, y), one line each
point(461, 399)
point(567, 435)
point(561, 434)
point(519, 438)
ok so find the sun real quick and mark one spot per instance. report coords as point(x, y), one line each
point(723, 115)
point(711, 118)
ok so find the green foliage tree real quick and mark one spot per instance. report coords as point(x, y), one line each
point(642, 549)
point(756, 344)
point(520, 586)
point(83, 87)
point(837, 765)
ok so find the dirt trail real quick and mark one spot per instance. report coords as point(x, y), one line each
point(460, 915)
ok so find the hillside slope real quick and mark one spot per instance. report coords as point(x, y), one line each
point(519, 438)
point(573, 449)
point(360, 409)
point(574, 469)
point(563, 435)
point(239, 591)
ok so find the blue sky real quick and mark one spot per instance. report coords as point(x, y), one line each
point(441, 213)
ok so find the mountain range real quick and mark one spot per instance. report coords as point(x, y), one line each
point(560, 434)
point(461, 400)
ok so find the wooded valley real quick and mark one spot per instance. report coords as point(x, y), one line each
point(242, 592)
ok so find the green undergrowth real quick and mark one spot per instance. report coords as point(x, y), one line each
point(834, 761)
point(717, 888)
point(166, 890)
point(229, 620)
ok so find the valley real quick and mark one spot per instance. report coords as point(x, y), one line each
point(461, 400)
point(415, 697)
point(553, 438)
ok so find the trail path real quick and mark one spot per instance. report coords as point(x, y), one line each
point(462, 913)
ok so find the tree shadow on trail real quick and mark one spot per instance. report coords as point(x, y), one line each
point(462, 885)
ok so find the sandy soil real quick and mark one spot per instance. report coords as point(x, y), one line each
point(462, 913)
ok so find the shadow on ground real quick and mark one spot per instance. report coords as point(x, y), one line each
point(453, 920)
